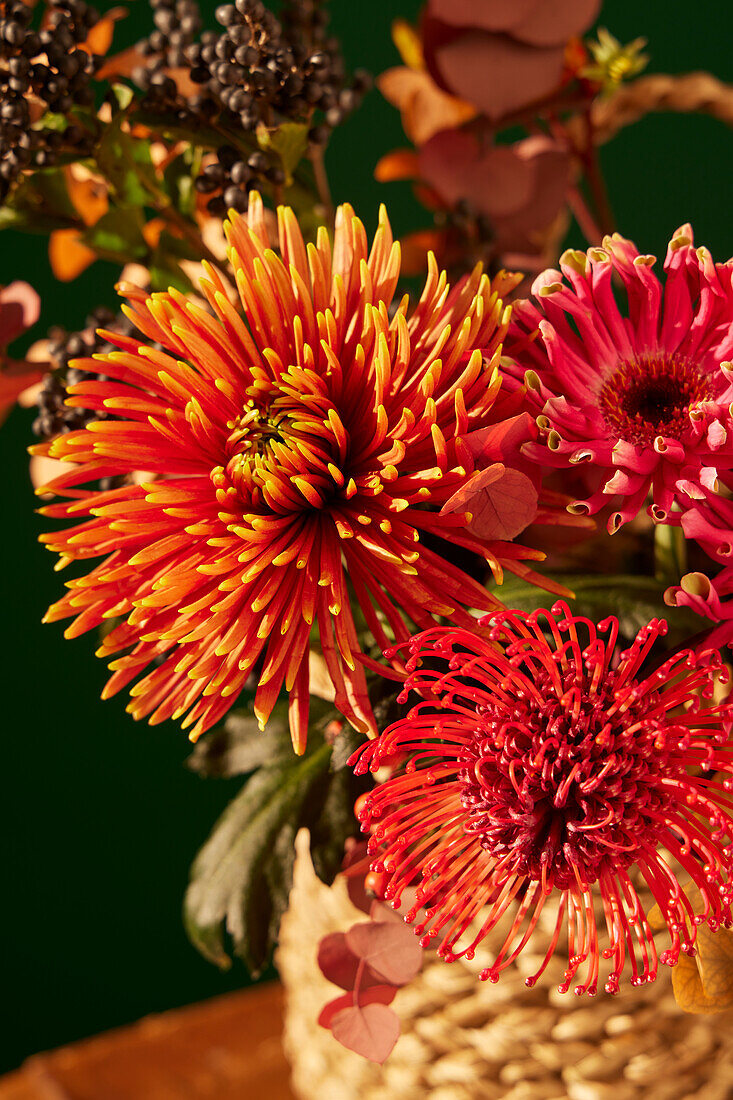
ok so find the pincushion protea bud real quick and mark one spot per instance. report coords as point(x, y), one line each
point(540, 763)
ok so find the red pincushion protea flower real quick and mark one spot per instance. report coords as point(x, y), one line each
point(554, 766)
point(643, 401)
point(314, 438)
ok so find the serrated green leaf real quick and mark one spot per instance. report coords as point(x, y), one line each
point(243, 860)
point(239, 745)
point(345, 744)
point(333, 821)
point(289, 141)
point(30, 222)
point(169, 126)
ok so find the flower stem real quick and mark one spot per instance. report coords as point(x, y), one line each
point(583, 216)
point(670, 553)
point(324, 191)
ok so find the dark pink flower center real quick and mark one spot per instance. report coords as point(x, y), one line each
point(651, 396)
point(561, 789)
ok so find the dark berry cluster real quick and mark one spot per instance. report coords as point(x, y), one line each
point(54, 417)
point(47, 69)
point(255, 70)
point(177, 23)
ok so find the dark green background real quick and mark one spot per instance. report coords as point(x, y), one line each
point(100, 818)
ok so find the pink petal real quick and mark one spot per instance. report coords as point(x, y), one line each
point(20, 307)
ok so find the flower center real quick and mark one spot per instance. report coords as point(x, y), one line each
point(282, 453)
point(563, 787)
point(253, 432)
point(651, 396)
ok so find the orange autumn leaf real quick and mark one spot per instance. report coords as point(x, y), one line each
point(68, 255)
point(122, 64)
point(702, 983)
point(88, 194)
point(151, 232)
point(425, 108)
point(400, 164)
point(415, 248)
point(99, 38)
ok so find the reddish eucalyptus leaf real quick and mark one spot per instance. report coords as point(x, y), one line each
point(380, 913)
point(499, 15)
point(355, 868)
point(339, 964)
point(371, 1031)
point(390, 950)
point(378, 994)
point(336, 961)
point(502, 502)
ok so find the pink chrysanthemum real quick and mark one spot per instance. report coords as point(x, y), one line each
point(299, 448)
point(551, 764)
point(643, 400)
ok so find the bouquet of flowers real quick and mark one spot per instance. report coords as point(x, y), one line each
point(428, 541)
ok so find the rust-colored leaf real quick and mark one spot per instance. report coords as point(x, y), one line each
point(377, 994)
point(501, 502)
point(425, 108)
point(390, 950)
point(371, 1031)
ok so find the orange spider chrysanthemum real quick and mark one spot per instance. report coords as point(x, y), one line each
point(301, 440)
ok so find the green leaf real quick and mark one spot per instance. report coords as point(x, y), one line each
point(634, 600)
point(178, 180)
point(118, 234)
point(241, 879)
point(39, 203)
point(167, 273)
point(333, 821)
point(242, 876)
point(51, 121)
point(126, 163)
point(345, 744)
point(289, 141)
point(123, 94)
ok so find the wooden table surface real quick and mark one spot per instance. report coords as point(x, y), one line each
point(225, 1049)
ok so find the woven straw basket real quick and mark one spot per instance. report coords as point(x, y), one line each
point(463, 1039)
